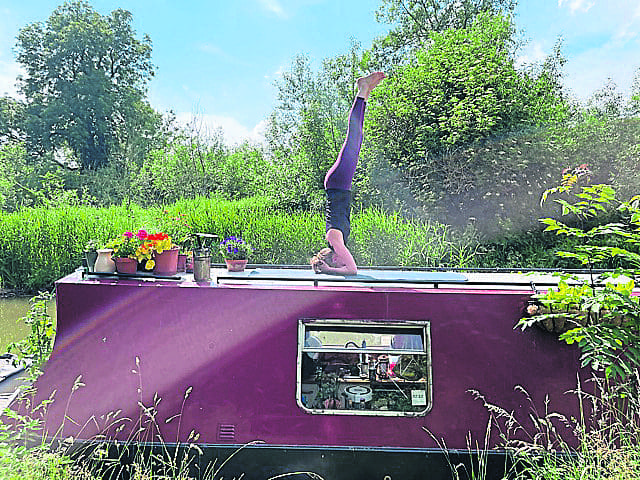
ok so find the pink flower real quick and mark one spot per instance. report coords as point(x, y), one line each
point(128, 234)
point(142, 234)
point(532, 309)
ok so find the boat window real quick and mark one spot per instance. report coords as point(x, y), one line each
point(364, 367)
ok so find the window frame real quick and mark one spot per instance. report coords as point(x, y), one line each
point(362, 325)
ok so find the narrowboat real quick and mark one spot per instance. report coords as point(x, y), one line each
point(281, 370)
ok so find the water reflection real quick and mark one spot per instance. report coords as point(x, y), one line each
point(12, 309)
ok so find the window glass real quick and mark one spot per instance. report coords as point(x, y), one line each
point(364, 367)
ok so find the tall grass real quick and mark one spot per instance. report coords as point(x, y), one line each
point(383, 239)
point(609, 443)
point(602, 444)
point(40, 245)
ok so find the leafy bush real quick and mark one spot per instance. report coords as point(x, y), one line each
point(610, 335)
point(38, 344)
point(463, 88)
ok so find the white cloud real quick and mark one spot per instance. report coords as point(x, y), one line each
point(532, 54)
point(234, 133)
point(212, 49)
point(216, 51)
point(628, 30)
point(277, 74)
point(588, 71)
point(274, 7)
point(576, 5)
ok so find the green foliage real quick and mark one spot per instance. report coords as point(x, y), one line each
point(123, 246)
point(40, 245)
point(11, 120)
point(389, 239)
point(633, 107)
point(308, 126)
point(27, 183)
point(602, 443)
point(416, 20)
point(610, 336)
point(85, 83)
point(18, 462)
point(38, 344)
point(493, 183)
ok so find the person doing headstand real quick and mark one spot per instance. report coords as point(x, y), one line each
point(337, 259)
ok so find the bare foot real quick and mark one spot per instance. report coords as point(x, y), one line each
point(367, 84)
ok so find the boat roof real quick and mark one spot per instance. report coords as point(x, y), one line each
point(402, 277)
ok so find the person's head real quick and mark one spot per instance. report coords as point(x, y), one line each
point(325, 255)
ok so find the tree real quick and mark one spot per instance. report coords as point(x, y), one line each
point(85, 82)
point(603, 318)
point(461, 90)
point(416, 20)
point(308, 125)
point(11, 120)
point(606, 102)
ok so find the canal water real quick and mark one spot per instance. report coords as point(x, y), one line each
point(12, 310)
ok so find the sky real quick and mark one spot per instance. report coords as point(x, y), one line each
point(218, 59)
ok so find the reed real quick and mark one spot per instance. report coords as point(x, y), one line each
point(603, 443)
point(40, 245)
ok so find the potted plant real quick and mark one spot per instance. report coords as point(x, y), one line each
point(235, 252)
point(165, 254)
point(125, 252)
point(144, 252)
point(560, 310)
point(91, 253)
point(179, 230)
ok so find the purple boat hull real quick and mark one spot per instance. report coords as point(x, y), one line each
point(233, 349)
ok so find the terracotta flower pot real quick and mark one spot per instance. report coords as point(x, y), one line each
point(166, 262)
point(189, 265)
point(236, 265)
point(182, 262)
point(126, 265)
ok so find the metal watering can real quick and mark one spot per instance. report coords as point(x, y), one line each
point(202, 257)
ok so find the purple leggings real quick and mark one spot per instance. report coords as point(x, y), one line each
point(341, 172)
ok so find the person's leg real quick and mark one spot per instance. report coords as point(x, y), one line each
point(340, 175)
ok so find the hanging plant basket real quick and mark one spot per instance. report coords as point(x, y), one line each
point(556, 321)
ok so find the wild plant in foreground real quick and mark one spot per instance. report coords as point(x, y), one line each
point(36, 347)
point(609, 333)
point(601, 445)
point(147, 453)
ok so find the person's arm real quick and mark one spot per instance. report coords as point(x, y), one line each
point(336, 240)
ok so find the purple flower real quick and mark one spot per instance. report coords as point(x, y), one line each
point(128, 234)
